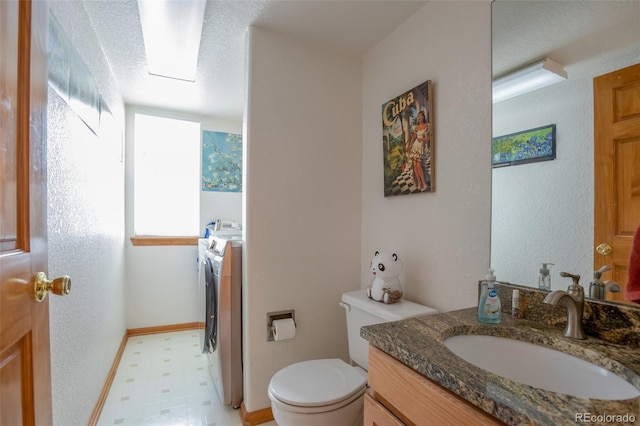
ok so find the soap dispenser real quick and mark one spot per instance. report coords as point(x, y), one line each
point(597, 288)
point(544, 280)
point(489, 305)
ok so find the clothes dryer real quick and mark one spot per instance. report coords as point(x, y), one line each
point(223, 316)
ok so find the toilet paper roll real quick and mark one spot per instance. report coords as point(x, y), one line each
point(283, 329)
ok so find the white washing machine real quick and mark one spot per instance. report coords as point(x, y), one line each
point(220, 307)
point(223, 330)
point(203, 246)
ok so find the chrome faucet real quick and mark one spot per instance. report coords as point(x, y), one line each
point(573, 301)
point(598, 289)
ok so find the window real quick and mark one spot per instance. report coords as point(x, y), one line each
point(166, 155)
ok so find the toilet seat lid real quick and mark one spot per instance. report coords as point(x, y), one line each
point(316, 383)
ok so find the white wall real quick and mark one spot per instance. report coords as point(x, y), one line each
point(86, 234)
point(302, 193)
point(543, 212)
point(314, 210)
point(162, 280)
point(442, 237)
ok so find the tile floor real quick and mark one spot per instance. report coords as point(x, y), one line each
point(163, 379)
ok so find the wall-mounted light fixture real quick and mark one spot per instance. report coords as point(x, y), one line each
point(532, 77)
point(172, 30)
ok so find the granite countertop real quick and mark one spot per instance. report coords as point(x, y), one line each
point(418, 343)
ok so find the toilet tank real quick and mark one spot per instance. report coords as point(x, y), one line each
point(363, 311)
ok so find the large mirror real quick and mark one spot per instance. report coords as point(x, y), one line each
point(543, 212)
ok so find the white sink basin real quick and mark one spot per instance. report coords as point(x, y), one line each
point(540, 367)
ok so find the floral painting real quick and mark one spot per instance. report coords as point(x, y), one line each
point(530, 146)
point(221, 162)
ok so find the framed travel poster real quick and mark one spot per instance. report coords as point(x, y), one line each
point(408, 142)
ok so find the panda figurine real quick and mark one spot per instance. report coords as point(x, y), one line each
point(386, 286)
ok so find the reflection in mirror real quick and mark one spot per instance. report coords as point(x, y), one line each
point(543, 212)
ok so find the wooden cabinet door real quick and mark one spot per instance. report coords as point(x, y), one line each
point(617, 169)
point(416, 400)
point(375, 414)
point(25, 367)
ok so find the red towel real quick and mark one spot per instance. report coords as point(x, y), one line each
point(632, 289)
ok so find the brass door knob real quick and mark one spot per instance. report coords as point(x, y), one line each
point(60, 286)
point(604, 249)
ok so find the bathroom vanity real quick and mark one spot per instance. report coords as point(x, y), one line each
point(416, 379)
point(400, 395)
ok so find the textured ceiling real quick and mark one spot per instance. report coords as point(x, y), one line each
point(566, 31)
point(353, 26)
point(523, 31)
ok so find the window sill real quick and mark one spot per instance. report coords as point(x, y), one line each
point(164, 241)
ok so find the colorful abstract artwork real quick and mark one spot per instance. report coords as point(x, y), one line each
point(530, 146)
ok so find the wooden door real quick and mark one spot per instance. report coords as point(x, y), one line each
point(25, 370)
point(617, 174)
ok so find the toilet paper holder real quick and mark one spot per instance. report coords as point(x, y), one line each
point(272, 316)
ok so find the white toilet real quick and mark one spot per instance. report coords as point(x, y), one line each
point(329, 391)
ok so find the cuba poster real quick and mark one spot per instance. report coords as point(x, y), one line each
point(408, 142)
